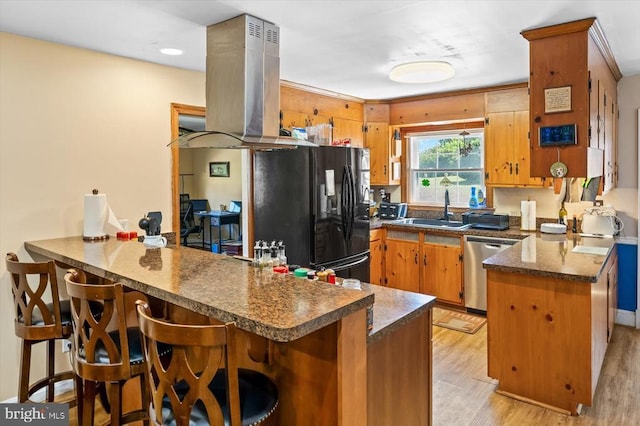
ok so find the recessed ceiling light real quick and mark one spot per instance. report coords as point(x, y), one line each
point(171, 51)
point(422, 72)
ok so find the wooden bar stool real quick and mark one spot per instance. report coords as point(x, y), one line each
point(38, 321)
point(200, 383)
point(106, 348)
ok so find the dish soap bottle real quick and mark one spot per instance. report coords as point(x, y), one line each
point(482, 202)
point(473, 201)
point(562, 215)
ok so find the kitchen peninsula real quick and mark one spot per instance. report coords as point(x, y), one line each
point(550, 307)
point(309, 337)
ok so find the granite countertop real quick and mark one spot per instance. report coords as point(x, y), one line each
point(537, 253)
point(394, 308)
point(565, 256)
point(276, 306)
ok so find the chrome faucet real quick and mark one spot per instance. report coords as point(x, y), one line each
point(446, 204)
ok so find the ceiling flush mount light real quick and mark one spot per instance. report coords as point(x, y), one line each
point(422, 72)
point(170, 51)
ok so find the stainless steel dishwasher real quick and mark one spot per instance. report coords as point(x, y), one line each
point(477, 249)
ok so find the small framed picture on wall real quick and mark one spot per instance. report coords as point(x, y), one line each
point(219, 169)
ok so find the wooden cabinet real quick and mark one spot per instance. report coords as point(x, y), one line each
point(507, 154)
point(376, 241)
point(351, 129)
point(425, 262)
point(292, 119)
point(401, 265)
point(442, 270)
point(549, 335)
point(384, 166)
point(574, 58)
point(612, 294)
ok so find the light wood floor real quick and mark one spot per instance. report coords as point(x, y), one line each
point(464, 395)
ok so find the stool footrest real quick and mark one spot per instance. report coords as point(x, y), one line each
point(43, 383)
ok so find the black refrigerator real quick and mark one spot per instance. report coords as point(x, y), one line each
point(316, 200)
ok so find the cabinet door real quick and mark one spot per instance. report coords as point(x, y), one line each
point(507, 152)
point(375, 269)
point(521, 150)
point(442, 272)
point(352, 129)
point(296, 119)
point(376, 140)
point(402, 270)
point(609, 143)
point(499, 167)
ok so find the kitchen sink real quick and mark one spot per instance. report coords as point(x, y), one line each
point(433, 223)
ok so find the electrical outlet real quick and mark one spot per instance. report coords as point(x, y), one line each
point(66, 345)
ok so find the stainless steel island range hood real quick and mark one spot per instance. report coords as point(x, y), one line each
point(243, 88)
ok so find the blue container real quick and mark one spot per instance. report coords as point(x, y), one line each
point(473, 201)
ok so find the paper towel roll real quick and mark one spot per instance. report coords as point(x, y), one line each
point(528, 215)
point(97, 214)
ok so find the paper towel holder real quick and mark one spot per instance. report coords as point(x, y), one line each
point(99, 237)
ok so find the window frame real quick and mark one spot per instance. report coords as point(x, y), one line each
point(457, 127)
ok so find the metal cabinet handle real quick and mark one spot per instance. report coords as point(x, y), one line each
point(425, 260)
point(416, 258)
point(385, 169)
point(517, 169)
point(510, 168)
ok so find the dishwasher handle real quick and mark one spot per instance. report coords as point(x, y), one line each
point(492, 246)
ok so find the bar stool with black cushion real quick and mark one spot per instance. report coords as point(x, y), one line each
point(106, 348)
point(38, 321)
point(200, 382)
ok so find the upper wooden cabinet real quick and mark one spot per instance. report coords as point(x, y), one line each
point(573, 78)
point(507, 154)
point(385, 167)
point(302, 108)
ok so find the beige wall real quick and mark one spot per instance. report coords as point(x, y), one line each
point(72, 120)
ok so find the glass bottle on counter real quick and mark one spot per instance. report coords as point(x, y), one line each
point(281, 254)
point(562, 215)
point(257, 254)
point(574, 225)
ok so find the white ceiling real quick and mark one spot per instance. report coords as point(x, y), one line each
point(345, 46)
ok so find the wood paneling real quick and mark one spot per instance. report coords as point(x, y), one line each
point(462, 107)
point(399, 376)
point(376, 112)
point(507, 100)
point(297, 100)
